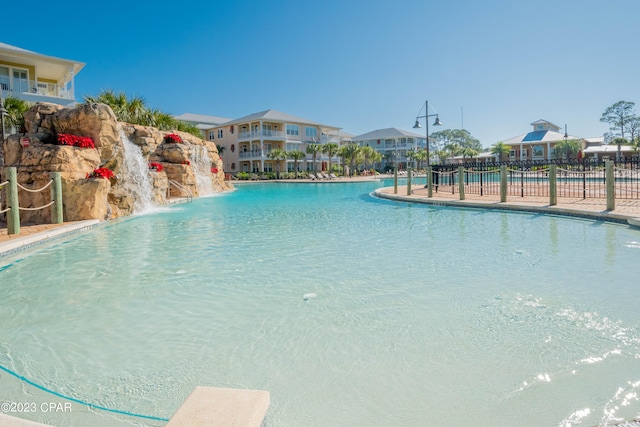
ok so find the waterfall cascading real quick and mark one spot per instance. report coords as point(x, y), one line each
point(201, 165)
point(136, 171)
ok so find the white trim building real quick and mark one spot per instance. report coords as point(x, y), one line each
point(393, 143)
point(249, 140)
point(34, 77)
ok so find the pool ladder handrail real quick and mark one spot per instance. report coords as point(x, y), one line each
point(182, 188)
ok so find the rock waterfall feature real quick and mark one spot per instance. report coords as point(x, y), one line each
point(149, 165)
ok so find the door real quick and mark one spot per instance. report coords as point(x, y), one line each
point(20, 81)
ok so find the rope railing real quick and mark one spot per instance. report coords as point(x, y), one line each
point(13, 201)
point(37, 209)
point(35, 190)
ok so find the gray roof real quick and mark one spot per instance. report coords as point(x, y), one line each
point(202, 119)
point(542, 121)
point(342, 133)
point(276, 116)
point(388, 133)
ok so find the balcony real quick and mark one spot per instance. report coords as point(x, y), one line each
point(27, 89)
point(264, 134)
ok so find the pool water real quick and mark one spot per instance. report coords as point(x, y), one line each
point(423, 315)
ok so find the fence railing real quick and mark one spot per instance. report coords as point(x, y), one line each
point(574, 178)
point(602, 180)
point(13, 208)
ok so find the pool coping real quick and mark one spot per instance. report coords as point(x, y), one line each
point(608, 216)
point(21, 243)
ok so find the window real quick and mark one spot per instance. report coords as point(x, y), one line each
point(231, 130)
point(523, 153)
point(311, 132)
point(292, 130)
point(233, 147)
point(538, 151)
point(212, 135)
point(220, 133)
point(512, 153)
point(4, 78)
point(539, 127)
point(233, 166)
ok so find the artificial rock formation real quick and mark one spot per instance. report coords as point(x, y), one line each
point(36, 154)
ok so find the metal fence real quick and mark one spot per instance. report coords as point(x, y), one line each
point(575, 178)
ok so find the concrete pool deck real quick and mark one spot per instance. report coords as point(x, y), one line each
point(627, 211)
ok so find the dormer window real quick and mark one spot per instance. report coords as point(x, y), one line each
point(539, 127)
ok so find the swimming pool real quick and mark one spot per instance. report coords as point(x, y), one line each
point(424, 315)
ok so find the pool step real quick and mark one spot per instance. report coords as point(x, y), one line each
point(7, 421)
point(211, 406)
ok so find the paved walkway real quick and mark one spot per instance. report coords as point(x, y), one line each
point(626, 210)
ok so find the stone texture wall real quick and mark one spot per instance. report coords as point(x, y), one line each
point(35, 154)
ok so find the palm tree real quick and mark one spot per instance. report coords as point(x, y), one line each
point(220, 149)
point(469, 152)
point(442, 156)
point(411, 155)
point(568, 148)
point(349, 152)
point(619, 142)
point(421, 156)
point(453, 148)
point(278, 154)
point(376, 157)
point(314, 149)
point(501, 150)
point(15, 113)
point(330, 149)
point(135, 111)
point(296, 155)
point(367, 153)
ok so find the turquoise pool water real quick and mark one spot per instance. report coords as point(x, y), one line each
point(422, 315)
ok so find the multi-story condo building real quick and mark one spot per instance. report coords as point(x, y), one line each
point(203, 122)
point(248, 142)
point(34, 77)
point(393, 143)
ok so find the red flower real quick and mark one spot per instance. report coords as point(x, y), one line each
point(172, 138)
point(214, 170)
point(186, 162)
point(156, 166)
point(76, 141)
point(101, 173)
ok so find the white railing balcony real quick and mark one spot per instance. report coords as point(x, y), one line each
point(20, 86)
point(253, 154)
point(264, 134)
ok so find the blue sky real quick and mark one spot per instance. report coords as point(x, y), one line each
point(498, 65)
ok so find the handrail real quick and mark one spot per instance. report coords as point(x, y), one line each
point(180, 187)
point(34, 191)
point(13, 201)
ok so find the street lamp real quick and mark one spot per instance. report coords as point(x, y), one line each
point(426, 116)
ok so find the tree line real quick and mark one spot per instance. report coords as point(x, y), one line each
point(129, 110)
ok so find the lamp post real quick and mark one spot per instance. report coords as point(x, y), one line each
point(437, 122)
point(426, 116)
